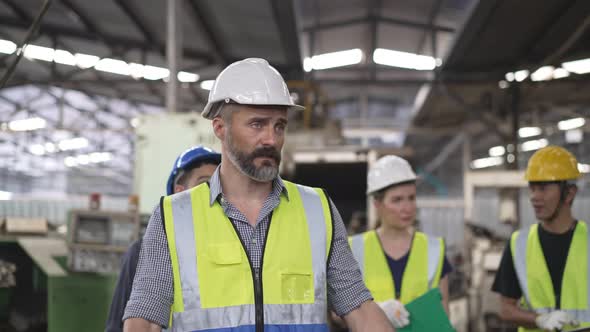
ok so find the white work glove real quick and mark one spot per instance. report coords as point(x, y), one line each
point(555, 320)
point(395, 312)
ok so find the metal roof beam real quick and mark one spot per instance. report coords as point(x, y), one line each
point(76, 86)
point(20, 12)
point(141, 26)
point(335, 24)
point(431, 17)
point(110, 40)
point(415, 25)
point(369, 82)
point(374, 8)
point(85, 19)
point(284, 16)
point(99, 79)
point(559, 16)
point(17, 106)
point(94, 30)
point(380, 19)
point(206, 24)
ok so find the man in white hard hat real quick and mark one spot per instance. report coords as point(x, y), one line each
point(248, 251)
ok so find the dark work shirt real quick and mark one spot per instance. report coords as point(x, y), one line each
point(555, 249)
point(397, 267)
point(123, 289)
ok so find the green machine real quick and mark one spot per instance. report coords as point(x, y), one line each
point(66, 284)
point(76, 301)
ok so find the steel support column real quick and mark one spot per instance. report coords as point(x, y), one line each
point(173, 53)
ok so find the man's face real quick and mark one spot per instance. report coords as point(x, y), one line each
point(254, 140)
point(544, 197)
point(196, 176)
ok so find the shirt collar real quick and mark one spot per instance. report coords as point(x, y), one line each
point(278, 187)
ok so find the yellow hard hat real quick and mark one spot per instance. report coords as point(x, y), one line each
point(552, 163)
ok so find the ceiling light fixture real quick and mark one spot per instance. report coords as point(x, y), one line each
point(86, 159)
point(73, 144)
point(37, 149)
point(521, 75)
point(154, 73)
point(207, 85)
point(497, 151)
point(64, 58)
point(534, 144)
point(27, 124)
point(544, 73)
point(529, 131)
point(578, 66)
point(584, 168)
point(334, 59)
point(187, 77)
point(85, 61)
point(407, 60)
point(39, 52)
point(113, 66)
point(571, 124)
point(560, 73)
point(5, 195)
point(487, 162)
point(7, 47)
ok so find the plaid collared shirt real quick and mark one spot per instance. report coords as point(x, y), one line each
point(152, 294)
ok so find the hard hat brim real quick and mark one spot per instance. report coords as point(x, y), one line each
point(208, 111)
point(390, 185)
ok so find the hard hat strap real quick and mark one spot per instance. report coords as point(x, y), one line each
point(177, 178)
point(563, 190)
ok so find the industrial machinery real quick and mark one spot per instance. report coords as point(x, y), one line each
point(97, 240)
point(59, 283)
point(489, 222)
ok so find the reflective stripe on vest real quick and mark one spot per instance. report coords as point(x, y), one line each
point(422, 272)
point(535, 281)
point(213, 281)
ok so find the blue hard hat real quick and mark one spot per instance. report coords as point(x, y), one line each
point(188, 159)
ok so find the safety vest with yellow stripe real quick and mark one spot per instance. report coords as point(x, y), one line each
point(535, 280)
point(422, 272)
point(216, 288)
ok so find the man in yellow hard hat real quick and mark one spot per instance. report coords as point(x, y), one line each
point(544, 271)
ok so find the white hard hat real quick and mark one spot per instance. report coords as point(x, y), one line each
point(387, 171)
point(250, 81)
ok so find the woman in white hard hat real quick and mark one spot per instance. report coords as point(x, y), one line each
point(399, 264)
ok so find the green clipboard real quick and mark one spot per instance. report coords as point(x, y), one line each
point(427, 314)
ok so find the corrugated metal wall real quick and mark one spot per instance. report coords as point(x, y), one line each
point(444, 217)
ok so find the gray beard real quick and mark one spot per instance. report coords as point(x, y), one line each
point(245, 164)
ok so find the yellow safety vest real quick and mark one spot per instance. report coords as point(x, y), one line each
point(215, 285)
point(535, 280)
point(422, 272)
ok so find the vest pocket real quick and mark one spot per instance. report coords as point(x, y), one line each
point(297, 287)
point(225, 279)
point(225, 253)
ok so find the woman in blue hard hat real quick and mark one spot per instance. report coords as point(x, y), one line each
point(399, 264)
point(191, 168)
